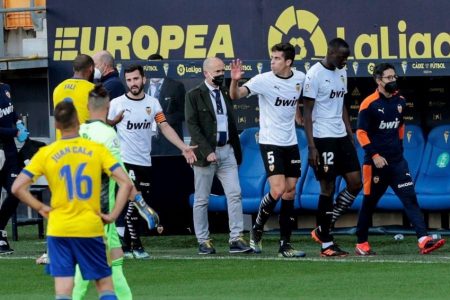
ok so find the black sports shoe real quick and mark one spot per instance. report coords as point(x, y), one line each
point(239, 246)
point(286, 250)
point(333, 251)
point(255, 240)
point(4, 245)
point(318, 236)
point(206, 248)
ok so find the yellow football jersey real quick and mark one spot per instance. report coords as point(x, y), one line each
point(78, 90)
point(73, 168)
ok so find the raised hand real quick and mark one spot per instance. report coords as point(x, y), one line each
point(236, 69)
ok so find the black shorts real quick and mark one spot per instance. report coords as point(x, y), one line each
point(281, 160)
point(337, 157)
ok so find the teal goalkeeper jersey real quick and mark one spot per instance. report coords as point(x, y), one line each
point(102, 133)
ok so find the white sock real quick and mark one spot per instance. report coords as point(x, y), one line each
point(421, 239)
point(120, 231)
point(326, 245)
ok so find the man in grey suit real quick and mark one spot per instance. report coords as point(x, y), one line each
point(170, 94)
point(211, 124)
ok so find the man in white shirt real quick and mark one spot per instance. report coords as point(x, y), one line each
point(134, 129)
point(278, 93)
point(331, 150)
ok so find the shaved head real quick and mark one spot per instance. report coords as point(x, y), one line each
point(103, 57)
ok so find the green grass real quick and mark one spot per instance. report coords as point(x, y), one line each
point(177, 272)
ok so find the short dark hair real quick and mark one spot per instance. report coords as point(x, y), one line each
point(133, 68)
point(379, 69)
point(65, 114)
point(337, 43)
point(82, 62)
point(155, 56)
point(287, 49)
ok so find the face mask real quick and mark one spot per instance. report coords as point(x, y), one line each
point(97, 74)
point(217, 80)
point(391, 87)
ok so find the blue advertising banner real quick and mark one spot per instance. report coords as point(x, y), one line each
point(414, 35)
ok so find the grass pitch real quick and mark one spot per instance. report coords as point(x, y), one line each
point(177, 272)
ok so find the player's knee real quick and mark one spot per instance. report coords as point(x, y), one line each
point(276, 192)
point(289, 194)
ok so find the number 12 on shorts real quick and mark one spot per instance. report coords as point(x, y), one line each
point(328, 158)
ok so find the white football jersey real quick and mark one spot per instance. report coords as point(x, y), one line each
point(278, 99)
point(328, 88)
point(135, 130)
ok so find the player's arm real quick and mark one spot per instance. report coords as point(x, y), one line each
point(313, 154)
point(298, 112)
point(401, 128)
point(346, 119)
point(125, 187)
point(115, 115)
point(6, 132)
point(20, 189)
point(237, 92)
point(173, 137)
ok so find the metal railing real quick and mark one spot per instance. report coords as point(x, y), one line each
point(36, 18)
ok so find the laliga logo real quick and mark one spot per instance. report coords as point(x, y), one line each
point(370, 68)
point(298, 24)
point(181, 70)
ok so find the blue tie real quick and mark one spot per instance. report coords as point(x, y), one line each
point(222, 134)
point(218, 102)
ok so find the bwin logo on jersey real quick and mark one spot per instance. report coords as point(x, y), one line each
point(389, 125)
point(337, 94)
point(138, 125)
point(285, 102)
point(6, 111)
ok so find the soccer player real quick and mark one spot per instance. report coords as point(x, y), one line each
point(380, 132)
point(73, 167)
point(97, 130)
point(136, 112)
point(77, 88)
point(331, 150)
point(278, 93)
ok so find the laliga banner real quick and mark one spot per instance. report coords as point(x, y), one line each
point(417, 40)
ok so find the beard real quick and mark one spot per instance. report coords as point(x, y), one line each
point(133, 89)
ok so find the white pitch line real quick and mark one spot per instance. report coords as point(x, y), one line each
point(296, 260)
point(312, 259)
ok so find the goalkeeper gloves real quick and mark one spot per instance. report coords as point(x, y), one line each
point(149, 215)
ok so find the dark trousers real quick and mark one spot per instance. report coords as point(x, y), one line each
point(8, 174)
point(129, 218)
point(376, 181)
